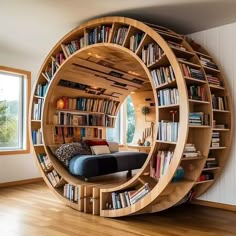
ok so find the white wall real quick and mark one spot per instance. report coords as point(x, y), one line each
point(19, 167)
point(220, 42)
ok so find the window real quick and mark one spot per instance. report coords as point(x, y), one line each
point(14, 96)
point(124, 129)
point(130, 117)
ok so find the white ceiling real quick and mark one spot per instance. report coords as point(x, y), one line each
point(31, 28)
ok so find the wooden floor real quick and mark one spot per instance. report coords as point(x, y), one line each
point(32, 210)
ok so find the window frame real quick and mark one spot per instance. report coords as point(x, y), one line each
point(24, 110)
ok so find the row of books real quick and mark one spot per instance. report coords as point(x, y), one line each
point(75, 134)
point(176, 45)
point(60, 57)
point(100, 34)
point(199, 118)
point(37, 109)
point(120, 35)
point(66, 118)
point(219, 103)
point(41, 89)
point(211, 163)
point(207, 62)
point(54, 177)
point(197, 93)
point(50, 69)
point(168, 131)
point(127, 198)
point(215, 139)
point(37, 136)
point(219, 126)
point(90, 104)
point(192, 72)
point(71, 192)
point(135, 41)
point(188, 197)
point(160, 163)
point(163, 75)
point(72, 47)
point(151, 53)
point(168, 96)
point(44, 161)
point(213, 80)
point(205, 176)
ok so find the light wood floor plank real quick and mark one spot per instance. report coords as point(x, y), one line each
point(32, 209)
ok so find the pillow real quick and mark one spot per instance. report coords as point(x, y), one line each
point(100, 149)
point(96, 142)
point(113, 146)
point(66, 151)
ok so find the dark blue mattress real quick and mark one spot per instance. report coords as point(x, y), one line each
point(94, 165)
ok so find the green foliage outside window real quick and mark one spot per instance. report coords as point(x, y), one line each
point(130, 120)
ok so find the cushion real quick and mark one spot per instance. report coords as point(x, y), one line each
point(66, 151)
point(93, 165)
point(96, 142)
point(113, 146)
point(100, 149)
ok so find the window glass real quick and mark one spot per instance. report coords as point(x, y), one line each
point(13, 101)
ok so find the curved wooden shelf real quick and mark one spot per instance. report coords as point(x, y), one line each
point(107, 71)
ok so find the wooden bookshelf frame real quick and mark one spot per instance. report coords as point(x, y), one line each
point(164, 193)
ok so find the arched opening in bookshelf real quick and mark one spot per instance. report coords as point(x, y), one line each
point(105, 72)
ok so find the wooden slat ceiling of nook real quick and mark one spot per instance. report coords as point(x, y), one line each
point(108, 70)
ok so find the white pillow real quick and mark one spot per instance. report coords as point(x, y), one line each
point(100, 149)
point(113, 146)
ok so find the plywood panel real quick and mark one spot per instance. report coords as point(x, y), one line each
point(220, 42)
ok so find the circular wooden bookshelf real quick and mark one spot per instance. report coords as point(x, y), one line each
point(102, 62)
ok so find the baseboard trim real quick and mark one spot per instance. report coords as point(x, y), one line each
point(20, 182)
point(214, 204)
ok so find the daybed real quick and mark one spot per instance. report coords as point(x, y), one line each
point(95, 158)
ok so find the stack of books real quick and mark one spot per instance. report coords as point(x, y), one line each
point(208, 63)
point(219, 126)
point(176, 45)
point(198, 118)
point(215, 140)
point(190, 151)
point(211, 163)
point(213, 80)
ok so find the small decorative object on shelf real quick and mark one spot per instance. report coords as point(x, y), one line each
point(60, 103)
